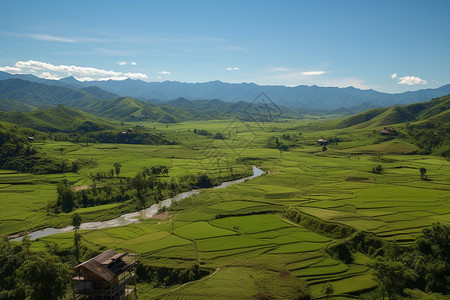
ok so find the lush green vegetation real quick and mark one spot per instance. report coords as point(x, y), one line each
point(318, 223)
point(31, 275)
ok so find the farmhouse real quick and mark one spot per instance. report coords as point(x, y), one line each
point(106, 276)
point(385, 131)
point(322, 141)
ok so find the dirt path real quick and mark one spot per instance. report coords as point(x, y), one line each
point(81, 187)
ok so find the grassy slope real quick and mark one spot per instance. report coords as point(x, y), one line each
point(417, 112)
point(58, 118)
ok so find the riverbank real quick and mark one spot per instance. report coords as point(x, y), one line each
point(133, 217)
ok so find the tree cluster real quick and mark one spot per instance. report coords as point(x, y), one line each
point(425, 266)
point(26, 275)
point(17, 154)
point(217, 135)
point(430, 136)
point(162, 276)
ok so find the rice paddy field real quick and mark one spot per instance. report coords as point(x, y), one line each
point(239, 233)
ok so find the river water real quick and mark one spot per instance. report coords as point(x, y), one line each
point(134, 217)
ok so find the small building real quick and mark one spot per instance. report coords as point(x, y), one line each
point(322, 141)
point(109, 275)
point(385, 131)
point(31, 139)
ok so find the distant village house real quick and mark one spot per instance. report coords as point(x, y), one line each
point(385, 131)
point(322, 141)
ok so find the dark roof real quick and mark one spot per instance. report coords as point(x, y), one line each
point(99, 264)
point(104, 256)
point(97, 269)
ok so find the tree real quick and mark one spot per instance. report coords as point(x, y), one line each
point(76, 223)
point(138, 182)
point(328, 289)
point(26, 243)
point(391, 276)
point(145, 172)
point(423, 171)
point(378, 169)
point(117, 167)
point(65, 197)
point(43, 277)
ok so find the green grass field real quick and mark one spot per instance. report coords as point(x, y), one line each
point(239, 231)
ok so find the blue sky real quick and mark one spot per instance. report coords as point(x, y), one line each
point(389, 46)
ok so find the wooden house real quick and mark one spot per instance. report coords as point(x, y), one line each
point(109, 276)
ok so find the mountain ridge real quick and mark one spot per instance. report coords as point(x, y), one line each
point(301, 96)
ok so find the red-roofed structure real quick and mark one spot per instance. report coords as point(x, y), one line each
point(385, 131)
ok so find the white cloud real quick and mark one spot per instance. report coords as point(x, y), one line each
point(313, 73)
point(83, 73)
point(136, 75)
point(299, 78)
point(12, 70)
point(48, 75)
point(165, 73)
point(408, 80)
point(87, 71)
point(233, 69)
point(50, 38)
point(118, 78)
point(280, 69)
point(411, 80)
point(123, 63)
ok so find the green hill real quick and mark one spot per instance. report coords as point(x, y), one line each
point(21, 95)
point(418, 112)
point(426, 124)
point(11, 105)
point(37, 94)
point(58, 118)
point(125, 108)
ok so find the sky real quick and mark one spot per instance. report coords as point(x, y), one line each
point(389, 46)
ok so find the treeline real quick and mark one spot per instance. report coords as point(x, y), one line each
point(163, 276)
point(218, 135)
point(275, 143)
point(144, 189)
point(109, 136)
point(144, 138)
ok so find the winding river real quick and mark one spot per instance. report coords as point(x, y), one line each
point(136, 216)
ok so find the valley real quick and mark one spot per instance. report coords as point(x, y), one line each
point(275, 235)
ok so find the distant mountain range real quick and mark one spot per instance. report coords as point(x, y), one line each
point(17, 95)
point(298, 97)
